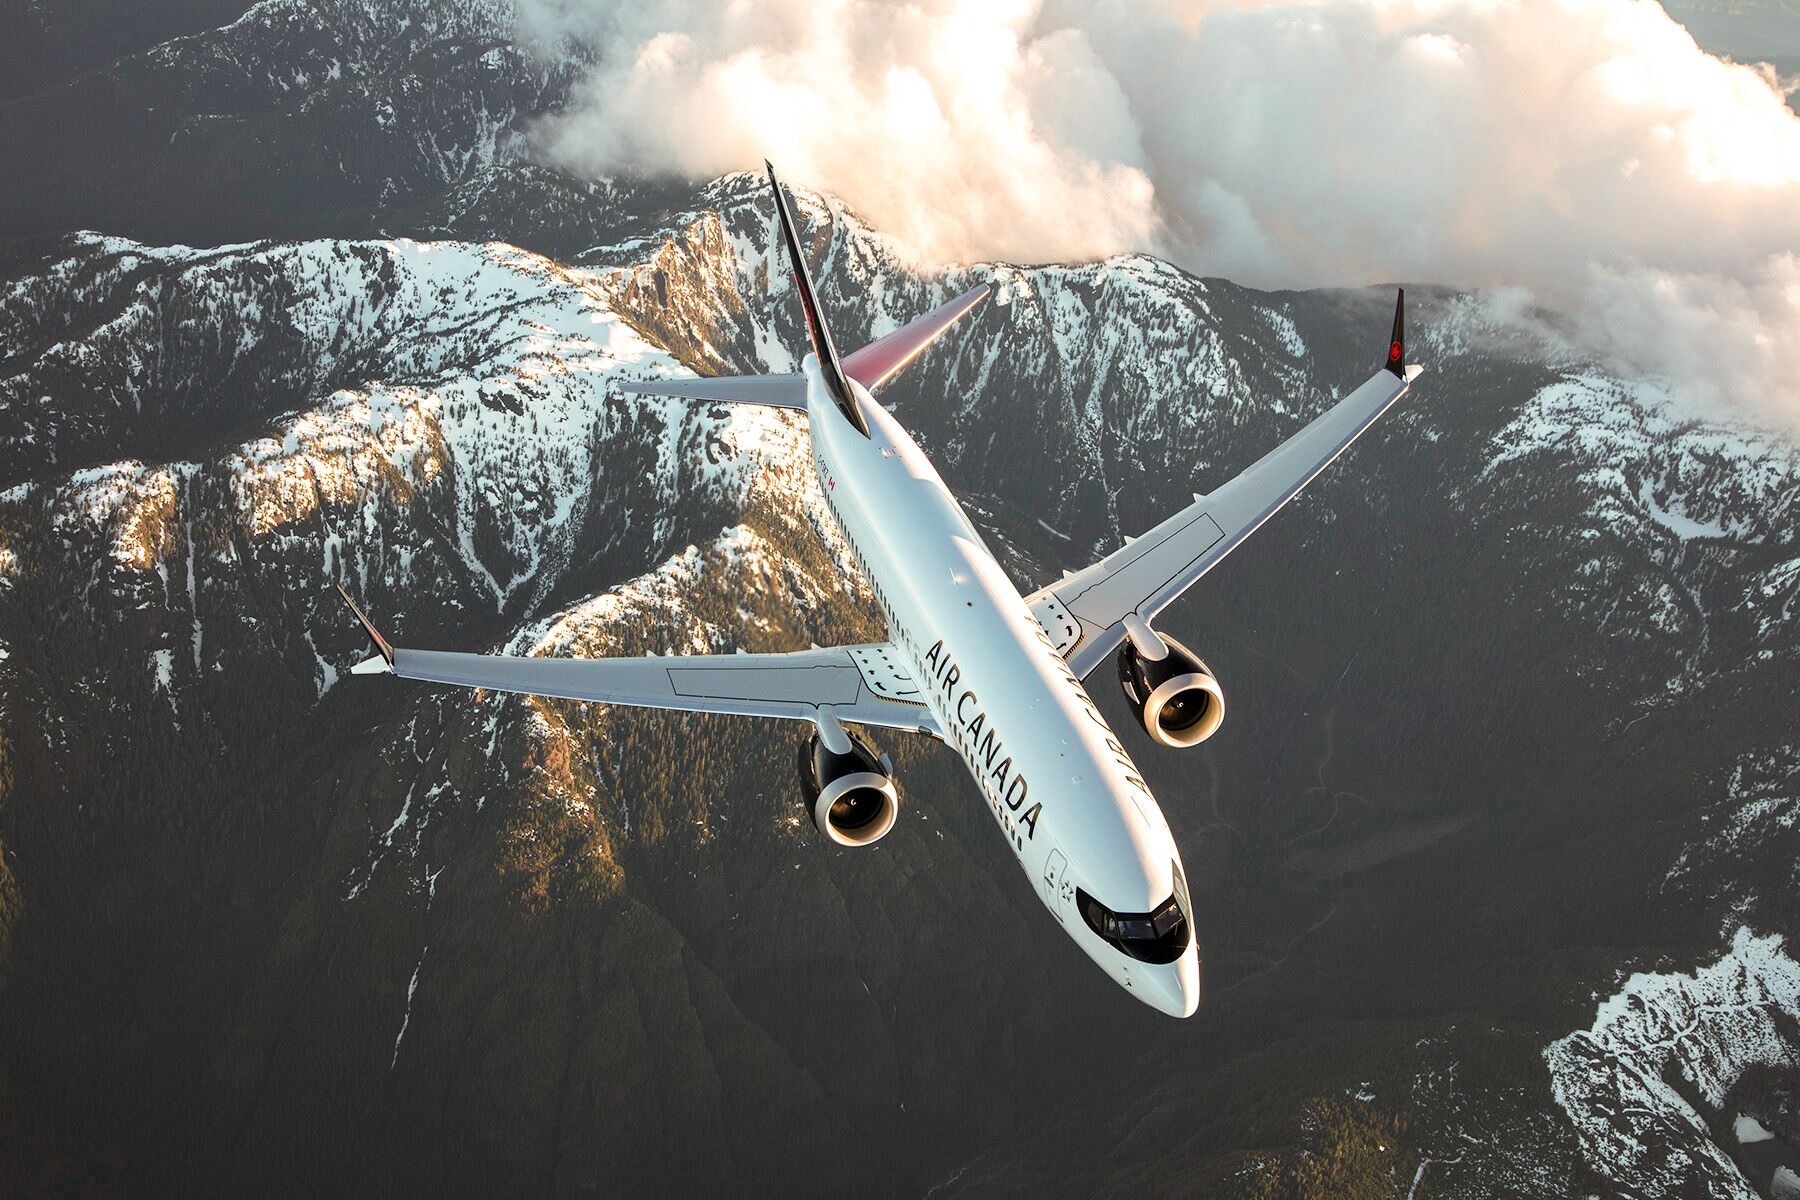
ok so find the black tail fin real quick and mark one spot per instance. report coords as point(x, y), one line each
point(1396, 356)
point(822, 345)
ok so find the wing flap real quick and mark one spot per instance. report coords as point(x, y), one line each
point(836, 684)
point(1143, 567)
point(776, 391)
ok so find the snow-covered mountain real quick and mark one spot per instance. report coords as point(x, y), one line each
point(1662, 1038)
point(1494, 859)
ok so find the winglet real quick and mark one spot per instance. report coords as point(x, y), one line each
point(1396, 355)
point(381, 646)
point(823, 347)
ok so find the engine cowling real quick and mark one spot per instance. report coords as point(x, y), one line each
point(1177, 700)
point(851, 796)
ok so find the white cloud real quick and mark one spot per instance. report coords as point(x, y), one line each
point(1585, 151)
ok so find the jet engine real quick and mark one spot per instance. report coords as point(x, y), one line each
point(1177, 700)
point(851, 795)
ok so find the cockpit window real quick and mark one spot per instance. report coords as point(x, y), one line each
point(1154, 937)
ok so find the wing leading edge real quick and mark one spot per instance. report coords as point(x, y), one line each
point(1085, 612)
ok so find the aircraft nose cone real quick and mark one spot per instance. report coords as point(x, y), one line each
point(1174, 989)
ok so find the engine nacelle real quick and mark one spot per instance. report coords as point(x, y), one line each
point(851, 796)
point(1177, 700)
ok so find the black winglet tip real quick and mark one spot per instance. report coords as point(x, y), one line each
point(381, 645)
point(1396, 355)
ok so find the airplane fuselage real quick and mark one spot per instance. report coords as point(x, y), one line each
point(1057, 781)
point(967, 660)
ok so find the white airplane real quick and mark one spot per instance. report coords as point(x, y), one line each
point(969, 661)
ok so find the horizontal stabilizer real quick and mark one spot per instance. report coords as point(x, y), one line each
point(878, 361)
point(777, 391)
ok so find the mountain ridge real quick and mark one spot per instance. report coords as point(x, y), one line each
point(723, 266)
point(1511, 690)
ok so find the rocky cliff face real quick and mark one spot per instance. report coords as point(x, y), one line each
point(1512, 696)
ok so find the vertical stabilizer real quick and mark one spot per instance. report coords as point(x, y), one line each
point(823, 347)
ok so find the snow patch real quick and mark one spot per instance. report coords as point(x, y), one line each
point(1748, 1129)
point(1283, 325)
point(1676, 520)
point(1707, 1027)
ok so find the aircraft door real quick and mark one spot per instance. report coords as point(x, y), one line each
point(1058, 888)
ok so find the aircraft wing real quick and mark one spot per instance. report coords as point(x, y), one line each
point(1085, 613)
point(865, 683)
